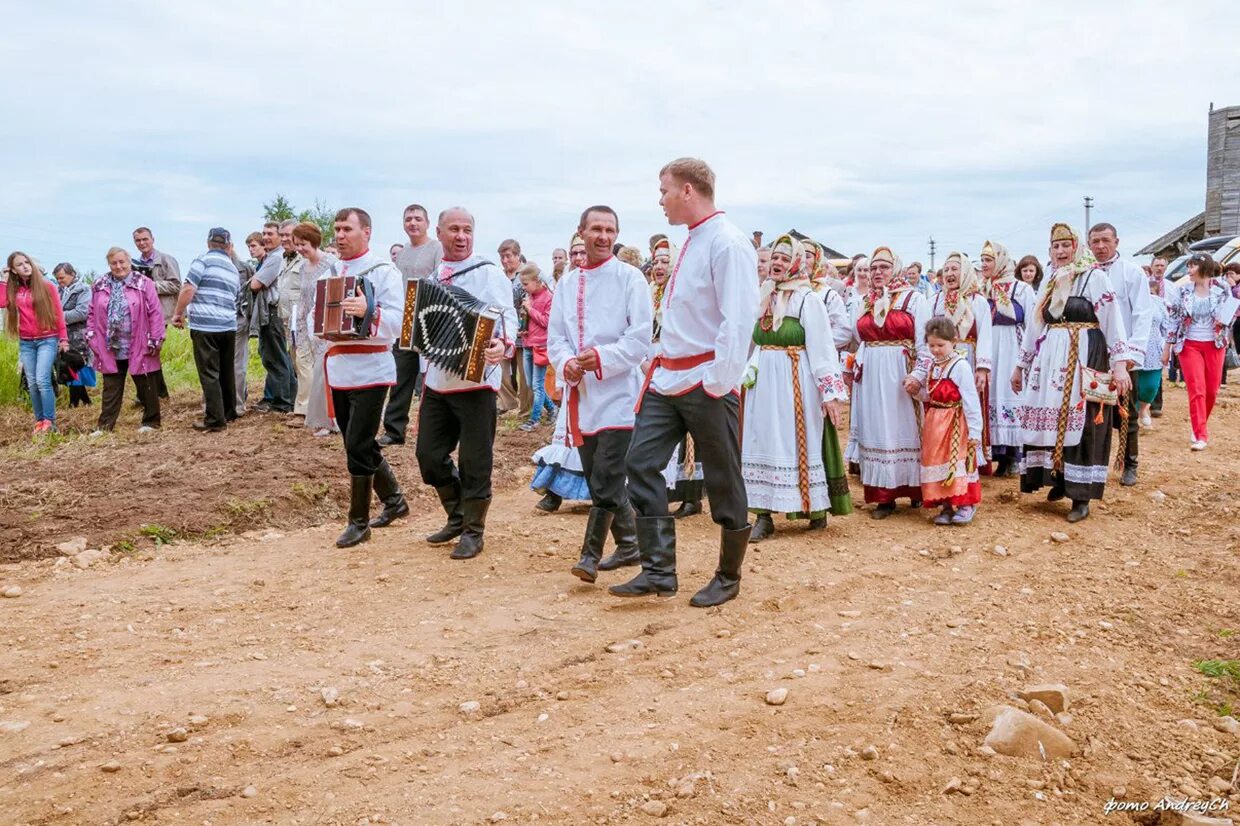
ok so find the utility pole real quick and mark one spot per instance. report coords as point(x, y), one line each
point(932, 248)
point(1089, 204)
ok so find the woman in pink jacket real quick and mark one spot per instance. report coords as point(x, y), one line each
point(36, 319)
point(125, 329)
point(537, 306)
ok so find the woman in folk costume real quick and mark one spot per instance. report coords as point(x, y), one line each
point(792, 464)
point(684, 475)
point(961, 300)
point(1011, 300)
point(1074, 333)
point(559, 474)
point(950, 445)
point(885, 434)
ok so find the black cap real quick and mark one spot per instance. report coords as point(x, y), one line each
point(218, 234)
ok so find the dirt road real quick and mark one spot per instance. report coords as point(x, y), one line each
point(270, 678)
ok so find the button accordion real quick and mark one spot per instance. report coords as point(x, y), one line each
point(330, 321)
point(449, 327)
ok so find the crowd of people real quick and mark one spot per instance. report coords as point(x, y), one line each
point(726, 366)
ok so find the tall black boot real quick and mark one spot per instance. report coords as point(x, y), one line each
point(389, 493)
point(450, 498)
point(597, 525)
point(656, 539)
point(726, 583)
point(474, 514)
point(358, 529)
point(624, 532)
point(1080, 510)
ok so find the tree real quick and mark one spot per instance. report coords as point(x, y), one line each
point(278, 210)
point(321, 215)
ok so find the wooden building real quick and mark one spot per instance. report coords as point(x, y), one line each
point(1222, 207)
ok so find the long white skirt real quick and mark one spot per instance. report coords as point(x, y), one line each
point(770, 460)
point(1004, 413)
point(316, 403)
point(883, 435)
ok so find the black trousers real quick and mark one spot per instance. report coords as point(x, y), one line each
point(213, 356)
point(400, 397)
point(446, 420)
point(1131, 446)
point(114, 396)
point(280, 387)
point(602, 459)
point(714, 424)
point(357, 414)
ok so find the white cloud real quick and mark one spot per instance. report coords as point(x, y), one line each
point(863, 124)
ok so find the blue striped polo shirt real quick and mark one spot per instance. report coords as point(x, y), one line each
point(213, 309)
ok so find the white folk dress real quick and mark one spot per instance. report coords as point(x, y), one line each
point(885, 426)
point(1006, 336)
point(782, 456)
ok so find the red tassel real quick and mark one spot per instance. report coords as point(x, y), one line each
point(1098, 418)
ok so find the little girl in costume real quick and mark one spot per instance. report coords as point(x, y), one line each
point(950, 445)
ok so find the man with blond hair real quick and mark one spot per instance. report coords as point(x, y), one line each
point(709, 307)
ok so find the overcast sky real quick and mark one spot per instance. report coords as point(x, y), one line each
point(860, 124)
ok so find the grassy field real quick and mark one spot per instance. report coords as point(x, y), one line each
point(177, 359)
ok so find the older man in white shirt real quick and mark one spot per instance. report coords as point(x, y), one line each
point(709, 308)
point(456, 413)
point(1136, 306)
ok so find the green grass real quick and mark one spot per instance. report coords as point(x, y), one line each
point(1220, 669)
point(177, 359)
point(1223, 692)
point(161, 535)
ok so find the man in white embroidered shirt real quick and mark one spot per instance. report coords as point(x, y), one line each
point(597, 338)
point(709, 308)
point(1136, 305)
point(459, 412)
point(357, 374)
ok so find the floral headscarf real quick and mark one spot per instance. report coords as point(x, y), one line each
point(997, 287)
point(1057, 289)
point(878, 302)
point(958, 303)
point(775, 292)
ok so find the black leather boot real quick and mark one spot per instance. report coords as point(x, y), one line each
point(358, 529)
point(389, 493)
point(726, 583)
point(450, 498)
point(624, 532)
point(1080, 510)
point(597, 525)
point(763, 527)
point(656, 538)
point(687, 509)
point(550, 503)
point(474, 513)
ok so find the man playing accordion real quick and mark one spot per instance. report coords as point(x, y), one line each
point(358, 373)
point(457, 412)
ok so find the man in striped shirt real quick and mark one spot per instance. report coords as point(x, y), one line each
point(209, 298)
